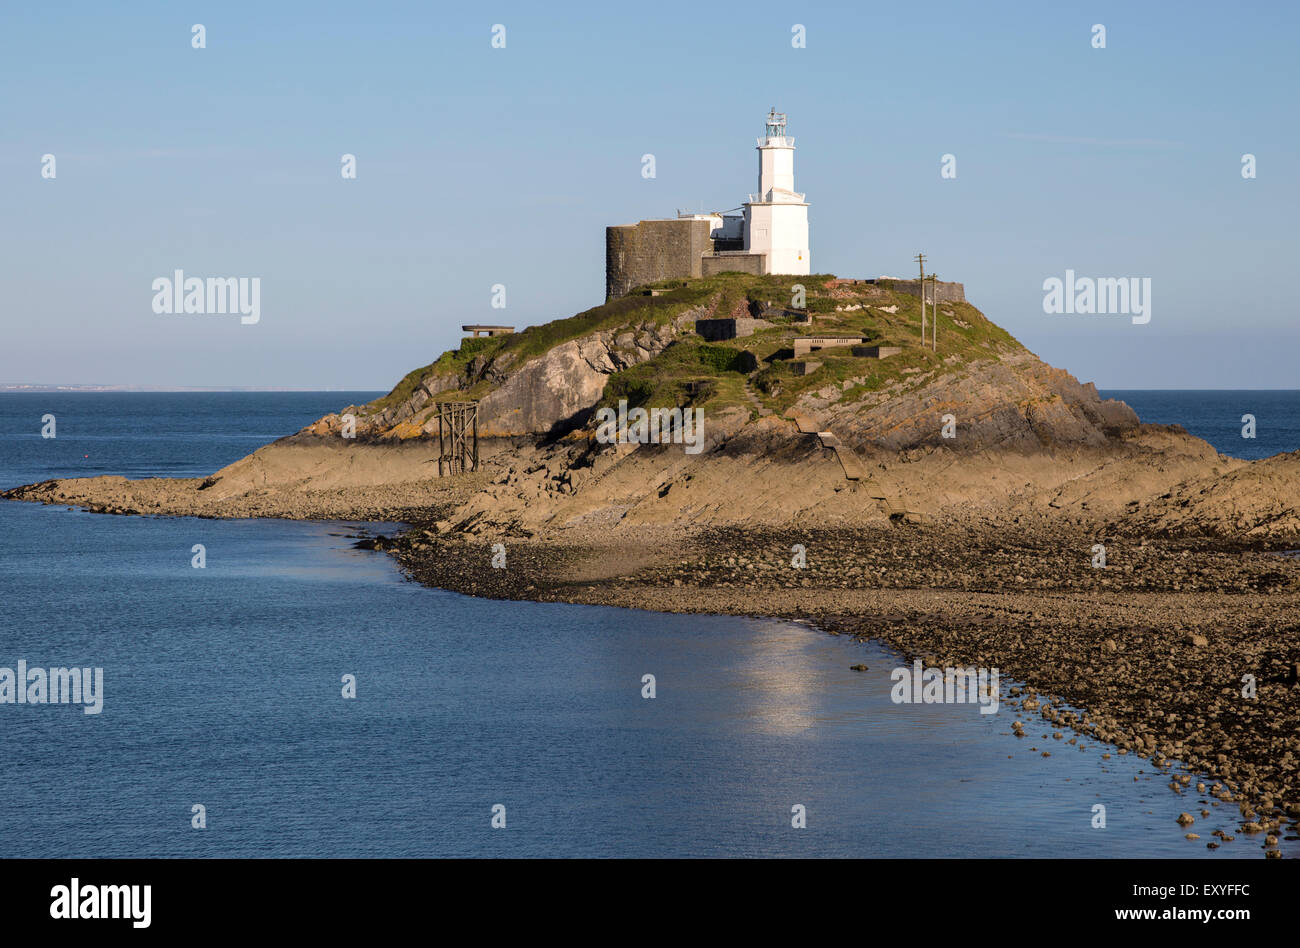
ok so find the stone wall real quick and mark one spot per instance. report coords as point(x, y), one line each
point(721, 263)
point(806, 344)
point(943, 292)
point(650, 251)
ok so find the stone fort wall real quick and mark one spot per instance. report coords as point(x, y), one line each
point(637, 254)
point(743, 262)
point(942, 292)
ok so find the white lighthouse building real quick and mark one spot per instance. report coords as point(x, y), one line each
point(776, 218)
point(771, 236)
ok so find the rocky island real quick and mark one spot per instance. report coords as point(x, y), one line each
point(958, 499)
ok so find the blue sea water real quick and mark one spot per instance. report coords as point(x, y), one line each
point(1217, 416)
point(222, 687)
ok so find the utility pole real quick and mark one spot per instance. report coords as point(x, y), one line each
point(920, 259)
point(934, 312)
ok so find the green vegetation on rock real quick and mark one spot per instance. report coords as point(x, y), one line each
point(688, 372)
point(692, 371)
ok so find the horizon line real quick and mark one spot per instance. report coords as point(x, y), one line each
point(90, 388)
point(94, 388)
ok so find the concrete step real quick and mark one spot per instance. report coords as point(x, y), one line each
point(752, 397)
point(804, 423)
point(853, 468)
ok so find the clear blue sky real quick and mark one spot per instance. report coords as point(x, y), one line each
point(479, 166)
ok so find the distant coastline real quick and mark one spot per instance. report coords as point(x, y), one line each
point(91, 387)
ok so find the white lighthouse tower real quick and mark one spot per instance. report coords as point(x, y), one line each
point(776, 218)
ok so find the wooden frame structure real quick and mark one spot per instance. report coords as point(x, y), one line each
point(457, 438)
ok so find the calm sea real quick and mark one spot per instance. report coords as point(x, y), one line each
point(1219, 417)
point(222, 688)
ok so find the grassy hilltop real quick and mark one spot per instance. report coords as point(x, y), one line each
point(745, 372)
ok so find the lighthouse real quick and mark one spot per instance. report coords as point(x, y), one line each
point(771, 236)
point(776, 218)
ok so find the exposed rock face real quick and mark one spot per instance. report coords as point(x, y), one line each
point(557, 391)
point(432, 385)
point(1007, 400)
point(1016, 402)
point(547, 394)
point(1255, 500)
